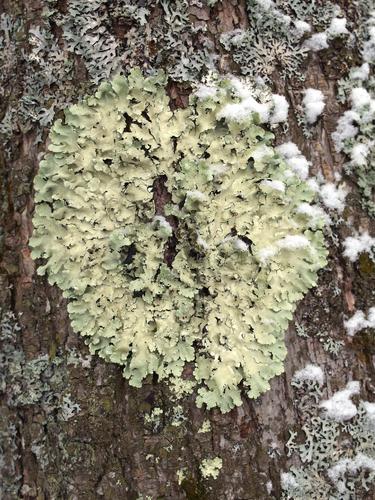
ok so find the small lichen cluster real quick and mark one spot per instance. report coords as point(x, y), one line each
point(338, 457)
point(210, 467)
point(273, 42)
point(39, 383)
point(214, 275)
point(356, 127)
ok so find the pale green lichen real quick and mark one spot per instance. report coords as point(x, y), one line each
point(205, 427)
point(221, 290)
point(210, 467)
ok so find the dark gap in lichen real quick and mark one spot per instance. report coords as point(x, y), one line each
point(128, 122)
point(161, 197)
point(127, 254)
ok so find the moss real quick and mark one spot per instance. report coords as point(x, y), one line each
point(189, 283)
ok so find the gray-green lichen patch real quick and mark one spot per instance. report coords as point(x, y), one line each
point(355, 131)
point(274, 40)
point(337, 450)
point(210, 275)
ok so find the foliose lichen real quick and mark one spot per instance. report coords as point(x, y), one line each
point(337, 454)
point(212, 274)
point(355, 129)
point(273, 42)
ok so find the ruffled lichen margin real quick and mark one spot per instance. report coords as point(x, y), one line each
point(212, 275)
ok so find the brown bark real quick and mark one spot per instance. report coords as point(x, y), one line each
point(105, 450)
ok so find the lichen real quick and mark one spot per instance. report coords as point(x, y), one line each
point(337, 456)
point(355, 129)
point(210, 467)
point(273, 40)
point(154, 301)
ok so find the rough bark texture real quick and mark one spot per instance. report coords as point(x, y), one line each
point(105, 449)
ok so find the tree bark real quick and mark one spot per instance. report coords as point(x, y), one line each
point(71, 425)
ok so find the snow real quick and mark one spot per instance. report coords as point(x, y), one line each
point(265, 253)
point(240, 245)
point(339, 407)
point(368, 52)
point(350, 465)
point(332, 196)
point(337, 27)
point(370, 411)
point(218, 169)
point(301, 27)
point(288, 481)
point(163, 223)
point(315, 213)
point(359, 153)
point(293, 242)
point(359, 321)
point(313, 102)
point(205, 91)
point(294, 159)
point(360, 98)
point(345, 128)
point(360, 72)
point(277, 185)
point(280, 108)
point(310, 372)
point(195, 195)
point(316, 42)
point(355, 245)
point(202, 243)
point(261, 152)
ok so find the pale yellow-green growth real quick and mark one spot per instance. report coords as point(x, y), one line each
point(213, 276)
point(205, 427)
point(210, 467)
point(181, 475)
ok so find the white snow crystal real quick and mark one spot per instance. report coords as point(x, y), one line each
point(359, 321)
point(301, 27)
point(265, 253)
point(360, 72)
point(332, 196)
point(288, 150)
point(240, 245)
point(315, 213)
point(359, 153)
point(279, 110)
point(370, 411)
point(310, 372)
point(293, 242)
point(337, 27)
point(294, 159)
point(340, 407)
point(360, 97)
point(351, 466)
point(278, 185)
point(288, 481)
point(195, 195)
point(316, 42)
point(205, 91)
point(355, 245)
point(313, 102)
point(345, 128)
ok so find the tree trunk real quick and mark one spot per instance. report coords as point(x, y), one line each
point(70, 425)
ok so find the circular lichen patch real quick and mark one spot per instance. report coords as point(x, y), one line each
point(177, 236)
